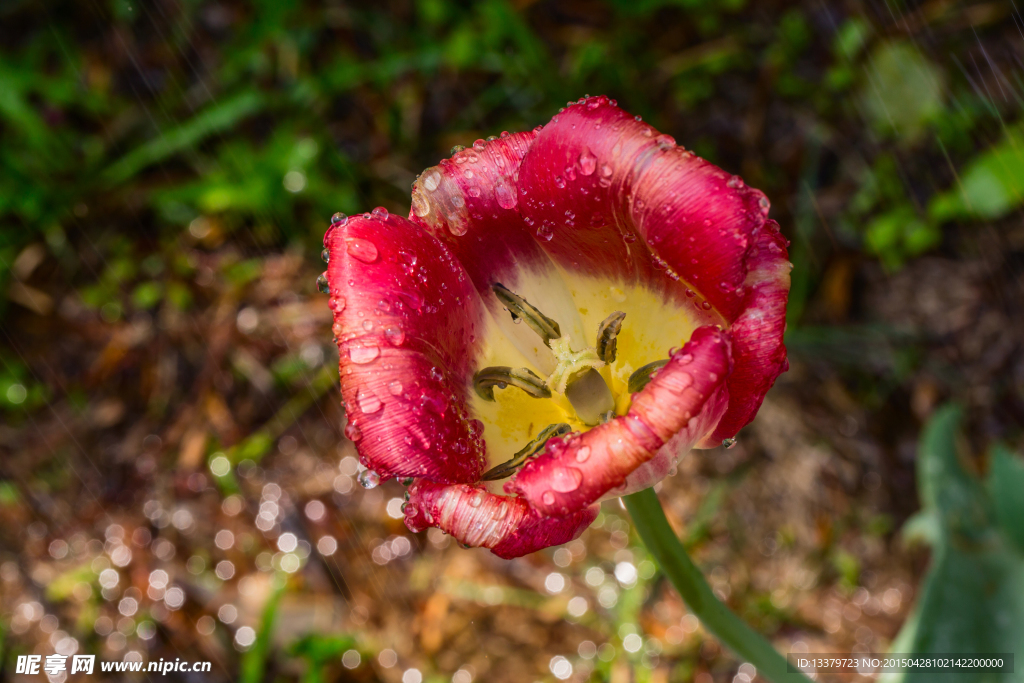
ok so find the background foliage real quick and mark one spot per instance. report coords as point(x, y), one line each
point(167, 170)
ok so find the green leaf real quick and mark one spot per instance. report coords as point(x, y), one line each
point(147, 294)
point(945, 486)
point(990, 187)
point(899, 234)
point(903, 91)
point(63, 586)
point(1006, 483)
point(9, 493)
point(972, 599)
point(320, 651)
point(186, 136)
point(254, 661)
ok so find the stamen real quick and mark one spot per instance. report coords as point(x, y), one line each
point(519, 307)
point(639, 379)
point(501, 376)
point(509, 468)
point(590, 396)
point(607, 332)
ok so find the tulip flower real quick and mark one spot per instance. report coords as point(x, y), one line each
point(564, 314)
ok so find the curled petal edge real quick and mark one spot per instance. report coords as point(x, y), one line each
point(508, 527)
point(676, 409)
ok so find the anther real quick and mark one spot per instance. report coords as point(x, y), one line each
point(607, 332)
point(639, 379)
point(501, 376)
point(507, 469)
point(519, 307)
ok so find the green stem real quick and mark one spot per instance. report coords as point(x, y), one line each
point(661, 541)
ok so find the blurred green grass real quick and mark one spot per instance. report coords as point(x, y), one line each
point(270, 116)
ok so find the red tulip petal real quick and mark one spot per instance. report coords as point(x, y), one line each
point(758, 352)
point(509, 527)
point(678, 406)
point(405, 316)
point(643, 209)
point(622, 200)
point(471, 203)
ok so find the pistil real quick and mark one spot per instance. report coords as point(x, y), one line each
point(590, 396)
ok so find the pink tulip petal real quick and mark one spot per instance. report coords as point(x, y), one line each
point(405, 320)
point(576, 471)
point(509, 527)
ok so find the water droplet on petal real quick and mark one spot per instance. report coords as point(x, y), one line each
point(479, 145)
point(665, 141)
point(369, 479)
point(432, 180)
point(473, 191)
point(706, 305)
point(457, 225)
point(380, 213)
point(475, 500)
point(395, 388)
point(420, 206)
point(322, 285)
point(326, 255)
point(368, 402)
point(336, 304)
point(606, 171)
point(583, 454)
point(566, 479)
point(728, 443)
point(339, 219)
point(545, 233)
point(735, 182)
point(434, 401)
point(505, 193)
point(353, 433)
point(588, 162)
point(686, 358)
point(548, 498)
point(559, 182)
point(362, 250)
point(364, 354)
point(765, 205)
point(395, 335)
point(456, 149)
